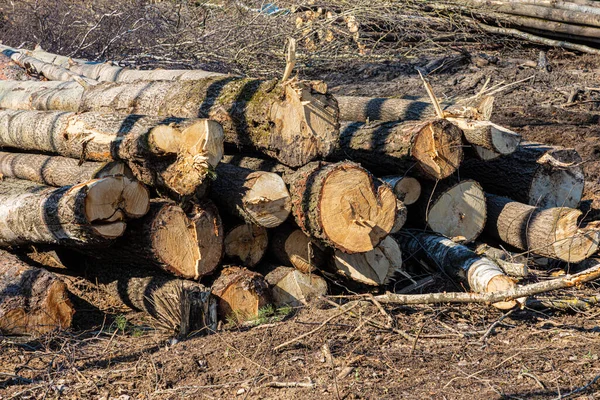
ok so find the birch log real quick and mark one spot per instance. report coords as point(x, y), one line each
point(295, 122)
point(535, 174)
point(553, 232)
point(10, 71)
point(57, 171)
point(481, 274)
point(86, 214)
point(32, 300)
point(432, 148)
point(342, 206)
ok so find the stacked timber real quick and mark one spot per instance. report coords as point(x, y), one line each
point(123, 173)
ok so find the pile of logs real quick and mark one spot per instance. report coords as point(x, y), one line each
point(156, 181)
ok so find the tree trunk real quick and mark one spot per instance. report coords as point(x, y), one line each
point(553, 232)
point(453, 209)
point(189, 245)
point(188, 147)
point(32, 300)
point(481, 274)
point(292, 248)
point(535, 174)
point(55, 170)
point(364, 109)
point(401, 216)
point(86, 214)
point(341, 205)
point(488, 135)
point(259, 197)
point(295, 123)
point(511, 264)
point(376, 267)
point(291, 287)
point(407, 189)
point(257, 164)
point(246, 244)
point(433, 146)
point(240, 293)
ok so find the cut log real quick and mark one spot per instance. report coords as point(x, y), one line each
point(10, 71)
point(453, 209)
point(292, 248)
point(291, 287)
point(240, 293)
point(32, 300)
point(246, 244)
point(401, 216)
point(376, 267)
point(407, 189)
point(81, 215)
point(189, 245)
point(364, 109)
point(341, 205)
point(511, 264)
point(257, 164)
point(488, 135)
point(535, 174)
point(553, 232)
point(434, 147)
point(259, 197)
point(295, 123)
point(481, 274)
point(191, 147)
point(57, 171)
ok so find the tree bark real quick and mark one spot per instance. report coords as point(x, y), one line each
point(406, 188)
point(434, 147)
point(259, 197)
point(246, 244)
point(488, 135)
point(10, 71)
point(364, 109)
point(32, 300)
point(535, 174)
point(291, 287)
point(89, 213)
point(295, 122)
point(341, 205)
point(401, 216)
point(163, 152)
point(376, 267)
point(453, 209)
point(511, 264)
point(481, 274)
point(292, 248)
point(57, 171)
point(241, 294)
point(553, 232)
point(189, 245)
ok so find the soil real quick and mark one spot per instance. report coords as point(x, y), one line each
point(437, 352)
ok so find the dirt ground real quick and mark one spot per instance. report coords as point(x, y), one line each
point(437, 352)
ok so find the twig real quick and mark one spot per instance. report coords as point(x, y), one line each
point(566, 281)
point(316, 329)
point(494, 325)
point(279, 385)
point(290, 60)
point(579, 390)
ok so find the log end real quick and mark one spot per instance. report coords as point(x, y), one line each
point(573, 243)
point(246, 244)
point(501, 283)
point(268, 202)
point(459, 211)
point(408, 190)
point(136, 199)
point(438, 148)
point(240, 293)
point(560, 181)
point(291, 287)
point(302, 253)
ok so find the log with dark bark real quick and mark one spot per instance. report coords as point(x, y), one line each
point(189, 245)
point(292, 248)
point(86, 214)
point(553, 232)
point(342, 205)
point(259, 197)
point(432, 148)
point(294, 122)
point(406, 188)
point(481, 274)
point(241, 294)
point(376, 267)
point(57, 171)
point(536, 174)
point(187, 148)
point(289, 286)
point(454, 209)
point(246, 244)
point(363, 109)
point(32, 300)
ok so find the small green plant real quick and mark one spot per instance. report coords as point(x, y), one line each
point(266, 314)
point(120, 323)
